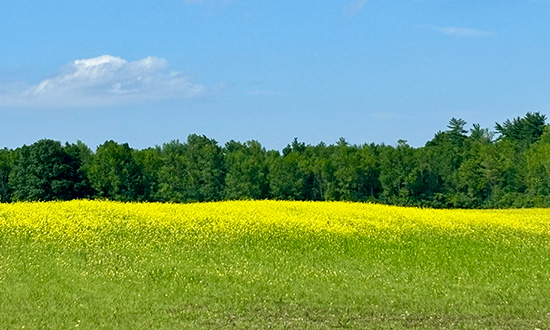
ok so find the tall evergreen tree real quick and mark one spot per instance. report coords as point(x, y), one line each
point(523, 130)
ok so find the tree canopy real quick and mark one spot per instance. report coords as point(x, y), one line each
point(459, 167)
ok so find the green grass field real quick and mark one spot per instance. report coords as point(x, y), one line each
point(277, 265)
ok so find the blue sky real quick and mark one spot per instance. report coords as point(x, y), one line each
point(147, 72)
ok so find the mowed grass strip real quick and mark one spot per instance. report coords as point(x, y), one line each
point(266, 264)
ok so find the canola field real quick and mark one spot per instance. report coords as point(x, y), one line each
point(271, 264)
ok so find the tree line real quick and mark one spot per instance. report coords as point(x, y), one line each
point(458, 168)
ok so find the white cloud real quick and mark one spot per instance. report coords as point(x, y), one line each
point(354, 8)
point(462, 32)
point(103, 81)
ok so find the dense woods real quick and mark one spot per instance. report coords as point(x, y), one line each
point(458, 168)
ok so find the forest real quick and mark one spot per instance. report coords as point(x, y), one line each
point(457, 168)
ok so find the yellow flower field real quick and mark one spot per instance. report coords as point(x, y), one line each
point(271, 264)
point(78, 219)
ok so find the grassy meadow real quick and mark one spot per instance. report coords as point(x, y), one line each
point(268, 264)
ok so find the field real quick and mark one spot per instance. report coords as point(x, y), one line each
point(266, 264)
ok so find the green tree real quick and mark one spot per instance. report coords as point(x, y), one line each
point(6, 165)
point(44, 171)
point(295, 146)
point(192, 171)
point(205, 169)
point(150, 161)
point(286, 179)
point(318, 173)
point(353, 173)
point(298, 173)
point(425, 184)
point(441, 158)
point(396, 165)
point(313, 164)
point(473, 187)
point(523, 130)
point(344, 163)
point(80, 156)
point(505, 169)
point(516, 137)
point(115, 174)
point(172, 182)
point(457, 131)
point(247, 169)
point(538, 171)
point(369, 173)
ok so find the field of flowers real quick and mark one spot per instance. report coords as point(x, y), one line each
point(271, 264)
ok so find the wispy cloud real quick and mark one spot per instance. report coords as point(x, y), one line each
point(354, 8)
point(103, 81)
point(462, 32)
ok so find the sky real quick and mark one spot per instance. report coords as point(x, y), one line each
point(148, 72)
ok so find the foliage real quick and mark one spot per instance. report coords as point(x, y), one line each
point(247, 169)
point(46, 171)
point(538, 168)
point(457, 168)
point(6, 165)
point(115, 174)
point(286, 176)
point(525, 131)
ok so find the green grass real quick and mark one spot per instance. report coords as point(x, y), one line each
point(278, 280)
